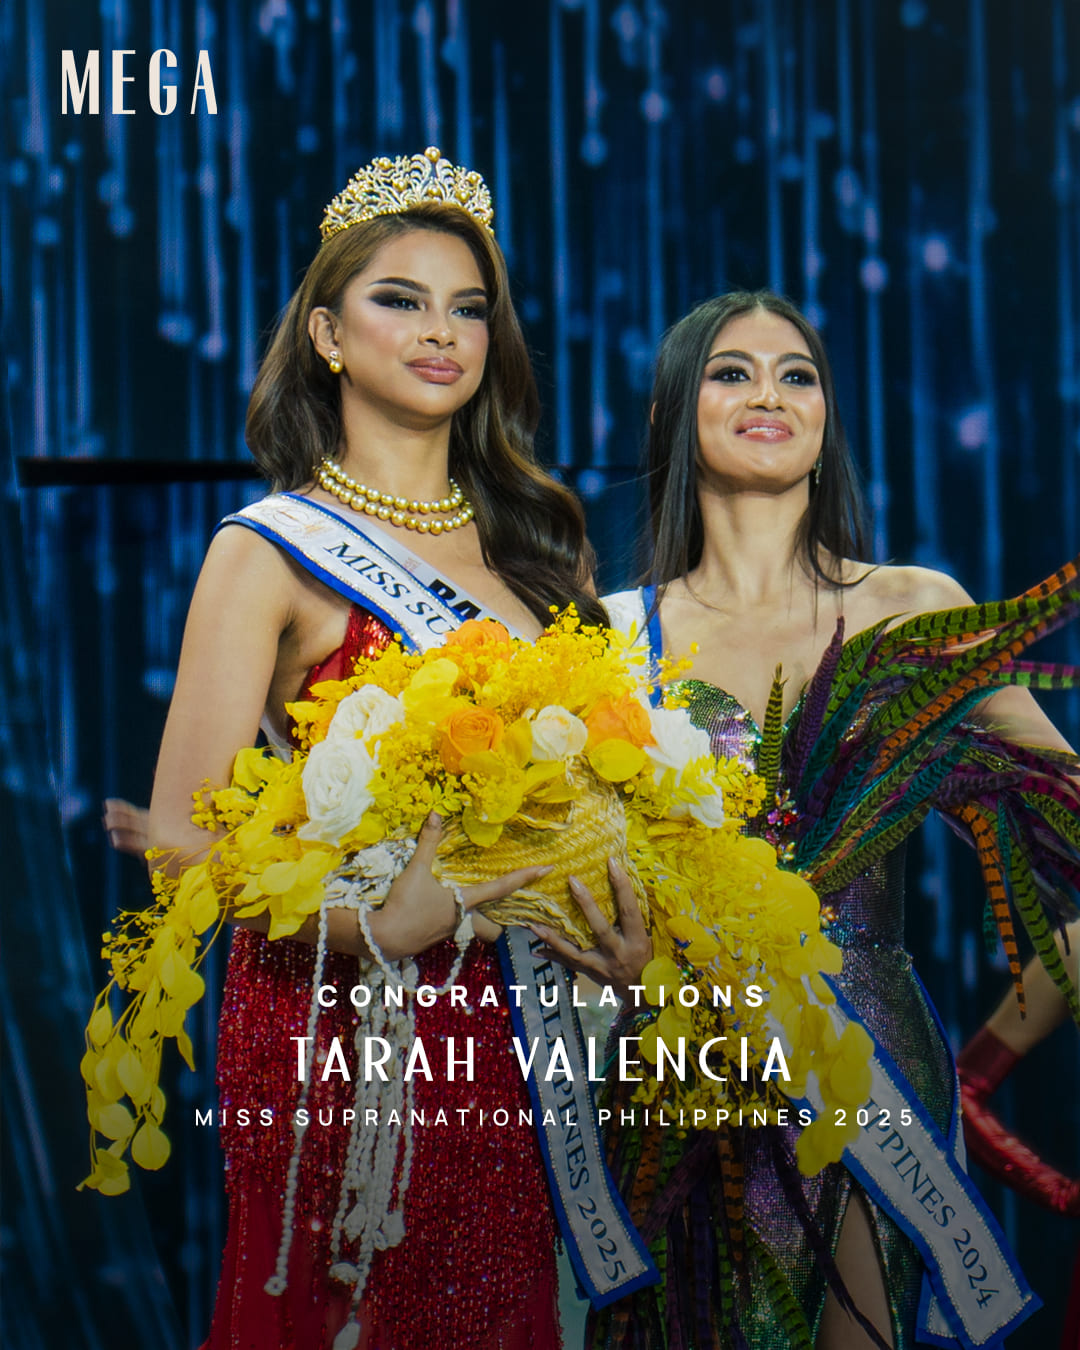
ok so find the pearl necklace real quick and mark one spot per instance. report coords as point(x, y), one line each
point(395, 510)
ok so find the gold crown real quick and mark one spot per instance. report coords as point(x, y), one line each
point(386, 187)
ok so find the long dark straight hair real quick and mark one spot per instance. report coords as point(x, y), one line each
point(532, 529)
point(834, 522)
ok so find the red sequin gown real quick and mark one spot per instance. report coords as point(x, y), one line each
point(476, 1268)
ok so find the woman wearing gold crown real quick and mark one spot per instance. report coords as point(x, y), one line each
point(394, 415)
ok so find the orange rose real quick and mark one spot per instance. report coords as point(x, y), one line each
point(476, 634)
point(622, 719)
point(469, 731)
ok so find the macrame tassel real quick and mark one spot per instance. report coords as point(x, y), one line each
point(348, 1338)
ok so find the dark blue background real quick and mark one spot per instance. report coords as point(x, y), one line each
point(908, 172)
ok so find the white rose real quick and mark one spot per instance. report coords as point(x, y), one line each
point(557, 733)
point(336, 779)
point(678, 741)
point(366, 712)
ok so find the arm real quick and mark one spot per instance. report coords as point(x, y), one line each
point(984, 1063)
point(249, 640)
point(240, 611)
point(126, 826)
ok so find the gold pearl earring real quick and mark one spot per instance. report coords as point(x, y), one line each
point(335, 363)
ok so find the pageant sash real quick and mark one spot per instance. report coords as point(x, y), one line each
point(403, 591)
point(609, 1257)
point(411, 598)
point(973, 1291)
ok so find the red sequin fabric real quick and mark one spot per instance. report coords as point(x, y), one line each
point(476, 1267)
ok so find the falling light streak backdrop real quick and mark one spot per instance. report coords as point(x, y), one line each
point(908, 172)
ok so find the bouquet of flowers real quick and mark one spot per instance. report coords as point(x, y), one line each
point(532, 752)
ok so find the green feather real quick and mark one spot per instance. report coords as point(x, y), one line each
point(974, 619)
point(910, 778)
point(849, 669)
point(1061, 820)
point(837, 723)
point(1026, 898)
point(991, 936)
point(772, 738)
point(928, 687)
point(835, 876)
point(782, 1301)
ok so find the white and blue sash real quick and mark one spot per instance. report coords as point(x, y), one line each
point(401, 590)
point(411, 598)
point(973, 1291)
point(608, 1255)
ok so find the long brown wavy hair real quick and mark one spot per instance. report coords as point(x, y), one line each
point(532, 529)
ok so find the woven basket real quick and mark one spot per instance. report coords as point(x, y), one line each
point(576, 838)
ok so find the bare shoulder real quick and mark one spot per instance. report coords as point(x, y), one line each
point(235, 549)
point(244, 571)
point(888, 591)
point(912, 589)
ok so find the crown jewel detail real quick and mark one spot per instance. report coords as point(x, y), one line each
point(387, 187)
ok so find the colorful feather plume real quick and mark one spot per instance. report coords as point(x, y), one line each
point(887, 735)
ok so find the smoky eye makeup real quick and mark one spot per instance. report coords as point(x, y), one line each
point(399, 298)
point(393, 299)
point(736, 368)
point(804, 375)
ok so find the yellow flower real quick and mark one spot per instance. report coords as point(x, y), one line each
point(820, 1143)
point(793, 900)
point(696, 943)
point(616, 760)
point(150, 1148)
point(661, 977)
point(491, 732)
point(673, 1024)
point(429, 695)
point(180, 982)
point(622, 719)
point(483, 833)
point(110, 1175)
point(650, 1034)
point(478, 647)
point(849, 1078)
